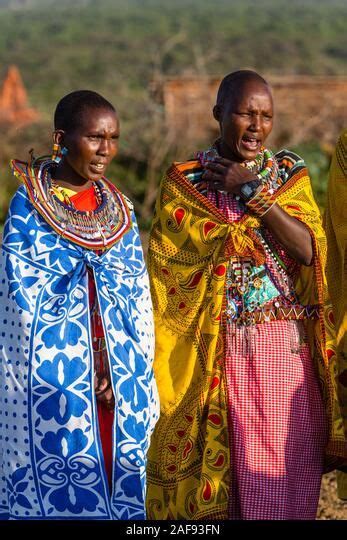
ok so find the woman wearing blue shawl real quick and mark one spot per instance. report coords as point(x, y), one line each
point(78, 400)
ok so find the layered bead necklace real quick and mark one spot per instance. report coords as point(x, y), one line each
point(95, 229)
point(264, 165)
point(92, 224)
point(67, 198)
point(248, 288)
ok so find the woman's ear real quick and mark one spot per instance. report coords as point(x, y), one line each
point(58, 137)
point(217, 112)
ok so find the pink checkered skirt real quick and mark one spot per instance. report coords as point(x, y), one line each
point(279, 428)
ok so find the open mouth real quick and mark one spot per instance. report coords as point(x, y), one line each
point(250, 143)
point(98, 167)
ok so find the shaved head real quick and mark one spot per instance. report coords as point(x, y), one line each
point(244, 111)
point(232, 85)
point(71, 108)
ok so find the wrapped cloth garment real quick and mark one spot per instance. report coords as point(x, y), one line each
point(86, 201)
point(237, 318)
point(336, 231)
point(52, 464)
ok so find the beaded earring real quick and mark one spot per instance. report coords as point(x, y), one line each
point(58, 153)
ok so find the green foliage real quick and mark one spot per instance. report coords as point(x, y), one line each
point(118, 47)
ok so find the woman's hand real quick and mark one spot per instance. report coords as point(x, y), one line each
point(225, 175)
point(103, 392)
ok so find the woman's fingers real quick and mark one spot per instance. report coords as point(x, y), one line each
point(215, 180)
point(103, 384)
point(107, 398)
point(104, 393)
point(216, 167)
point(201, 186)
point(212, 176)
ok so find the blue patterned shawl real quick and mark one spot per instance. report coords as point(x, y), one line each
point(51, 461)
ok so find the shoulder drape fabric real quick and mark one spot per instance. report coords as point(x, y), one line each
point(51, 455)
point(336, 231)
point(189, 470)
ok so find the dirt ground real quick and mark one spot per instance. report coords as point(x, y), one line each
point(330, 506)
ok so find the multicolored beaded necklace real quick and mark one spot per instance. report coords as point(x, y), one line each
point(67, 198)
point(98, 229)
point(249, 289)
point(264, 165)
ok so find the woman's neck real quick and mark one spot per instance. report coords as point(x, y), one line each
point(225, 152)
point(66, 177)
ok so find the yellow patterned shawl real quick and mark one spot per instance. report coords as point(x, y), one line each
point(336, 231)
point(190, 243)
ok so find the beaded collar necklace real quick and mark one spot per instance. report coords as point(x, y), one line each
point(67, 198)
point(98, 229)
point(264, 165)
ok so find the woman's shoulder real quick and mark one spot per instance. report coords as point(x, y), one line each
point(289, 159)
point(19, 198)
point(186, 166)
point(191, 169)
point(289, 163)
point(128, 202)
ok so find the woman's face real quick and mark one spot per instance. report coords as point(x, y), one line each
point(245, 121)
point(93, 144)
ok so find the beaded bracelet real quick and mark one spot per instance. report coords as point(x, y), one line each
point(262, 201)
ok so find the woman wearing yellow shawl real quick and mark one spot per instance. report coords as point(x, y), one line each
point(244, 338)
point(336, 231)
